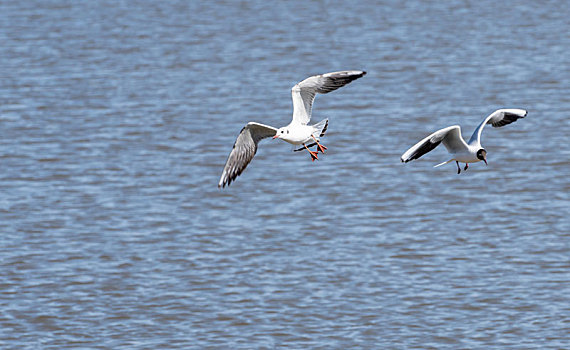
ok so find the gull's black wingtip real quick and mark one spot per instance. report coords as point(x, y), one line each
point(222, 184)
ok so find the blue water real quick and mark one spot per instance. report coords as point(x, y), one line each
point(116, 119)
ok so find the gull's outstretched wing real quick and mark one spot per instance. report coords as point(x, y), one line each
point(244, 149)
point(304, 92)
point(450, 136)
point(498, 118)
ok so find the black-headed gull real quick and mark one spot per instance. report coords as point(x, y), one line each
point(470, 152)
point(298, 132)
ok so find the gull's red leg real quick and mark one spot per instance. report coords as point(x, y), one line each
point(458, 168)
point(466, 166)
point(319, 146)
point(313, 154)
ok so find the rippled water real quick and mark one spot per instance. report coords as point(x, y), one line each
point(116, 119)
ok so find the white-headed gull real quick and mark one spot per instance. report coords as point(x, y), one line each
point(297, 132)
point(470, 152)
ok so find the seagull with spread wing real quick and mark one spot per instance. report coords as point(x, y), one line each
point(298, 132)
point(470, 152)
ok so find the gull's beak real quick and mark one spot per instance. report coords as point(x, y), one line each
point(276, 136)
point(485, 160)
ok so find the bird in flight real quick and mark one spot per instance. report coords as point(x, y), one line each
point(297, 133)
point(461, 151)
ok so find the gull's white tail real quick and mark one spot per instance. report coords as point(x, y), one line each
point(321, 128)
point(440, 164)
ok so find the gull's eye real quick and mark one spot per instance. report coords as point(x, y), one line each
point(281, 131)
point(287, 131)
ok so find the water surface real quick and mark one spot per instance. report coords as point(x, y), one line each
point(116, 119)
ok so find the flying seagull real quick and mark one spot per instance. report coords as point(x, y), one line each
point(470, 152)
point(298, 132)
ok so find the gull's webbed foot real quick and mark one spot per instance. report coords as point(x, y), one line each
point(314, 156)
point(321, 148)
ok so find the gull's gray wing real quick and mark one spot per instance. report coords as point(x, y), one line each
point(303, 93)
point(244, 149)
point(450, 136)
point(498, 118)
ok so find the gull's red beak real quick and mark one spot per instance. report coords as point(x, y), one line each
point(485, 160)
point(276, 136)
